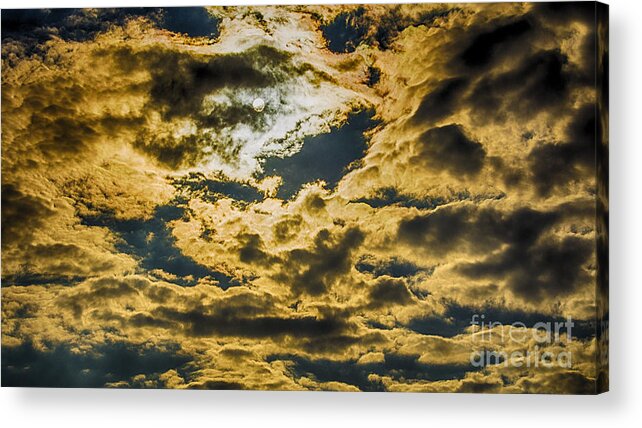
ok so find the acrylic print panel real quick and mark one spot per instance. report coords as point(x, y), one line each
point(350, 198)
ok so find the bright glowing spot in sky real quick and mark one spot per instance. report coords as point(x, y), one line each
point(258, 104)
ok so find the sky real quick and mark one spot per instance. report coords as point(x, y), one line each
point(304, 197)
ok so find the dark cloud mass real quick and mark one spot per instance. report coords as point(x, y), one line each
point(314, 271)
point(441, 102)
point(448, 148)
point(319, 197)
point(484, 46)
point(389, 292)
point(22, 214)
point(227, 323)
point(539, 82)
point(533, 264)
point(559, 163)
point(393, 267)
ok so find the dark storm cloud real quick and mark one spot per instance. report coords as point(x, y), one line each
point(152, 242)
point(447, 148)
point(244, 314)
point(389, 292)
point(441, 102)
point(235, 321)
point(22, 214)
point(534, 264)
point(557, 164)
point(397, 366)
point(373, 76)
point(57, 127)
point(314, 271)
point(485, 46)
point(507, 73)
point(322, 157)
point(181, 152)
point(565, 12)
point(440, 231)
point(489, 43)
point(62, 367)
point(454, 228)
point(538, 270)
point(100, 291)
point(540, 82)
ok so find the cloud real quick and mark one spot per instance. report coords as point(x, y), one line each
point(532, 263)
point(441, 102)
point(393, 267)
point(544, 270)
point(206, 100)
point(449, 148)
point(486, 45)
point(540, 82)
point(556, 164)
point(196, 185)
point(314, 271)
point(389, 292)
point(22, 214)
point(225, 323)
